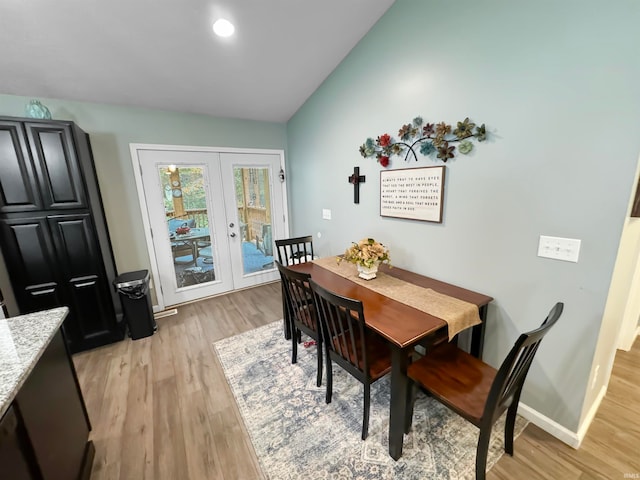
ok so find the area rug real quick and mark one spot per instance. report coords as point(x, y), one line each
point(296, 435)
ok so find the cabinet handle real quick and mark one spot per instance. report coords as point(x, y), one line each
point(43, 292)
point(86, 284)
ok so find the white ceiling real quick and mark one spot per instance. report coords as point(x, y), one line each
point(163, 53)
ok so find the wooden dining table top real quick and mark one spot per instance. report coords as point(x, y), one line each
point(399, 323)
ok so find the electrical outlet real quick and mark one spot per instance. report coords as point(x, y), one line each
point(567, 249)
point(326, 214)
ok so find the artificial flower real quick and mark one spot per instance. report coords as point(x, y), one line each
point(465, 147)
point(426, 148)
point(481, 133)
point(367, 253)
point(384, 140)
point(465, 129)
point(445, 152)
point(426, 139)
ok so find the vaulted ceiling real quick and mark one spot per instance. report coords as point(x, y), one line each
point(163, 53)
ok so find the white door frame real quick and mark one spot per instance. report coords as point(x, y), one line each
point(135, 160)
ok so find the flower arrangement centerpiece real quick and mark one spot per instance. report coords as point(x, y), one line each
point(183, 230)
point(427, 138)
point(367, 254)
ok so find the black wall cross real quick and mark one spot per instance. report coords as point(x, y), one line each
point(356, 179)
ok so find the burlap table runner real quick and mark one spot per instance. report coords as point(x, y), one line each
point(458, 314)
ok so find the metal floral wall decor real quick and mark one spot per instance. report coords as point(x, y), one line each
point(428, 139)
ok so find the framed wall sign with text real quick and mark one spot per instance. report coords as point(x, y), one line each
point(412, 193)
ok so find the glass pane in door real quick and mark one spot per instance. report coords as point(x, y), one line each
point(253, 201)
point(187, 219)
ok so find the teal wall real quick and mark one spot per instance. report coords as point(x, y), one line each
point(556, 83)
point(113, 128)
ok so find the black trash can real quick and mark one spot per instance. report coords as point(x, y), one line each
point(133, 288)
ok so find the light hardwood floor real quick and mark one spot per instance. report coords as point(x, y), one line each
point(161, 407)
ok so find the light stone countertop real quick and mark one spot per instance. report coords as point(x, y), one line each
point(23, 339)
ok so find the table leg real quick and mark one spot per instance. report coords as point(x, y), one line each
point(399, 400)
point(477, 334)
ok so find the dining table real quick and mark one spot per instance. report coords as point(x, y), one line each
point(403, 326)
point(191, 237)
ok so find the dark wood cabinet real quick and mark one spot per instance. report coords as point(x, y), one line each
point(55, 417)
point(44, 433)
point(20, 191)
point(57, 167)
point(16, 455)
point(53, 234)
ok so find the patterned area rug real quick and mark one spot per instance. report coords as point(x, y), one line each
point(296, 435)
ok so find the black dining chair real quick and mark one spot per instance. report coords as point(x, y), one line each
point(290, 252)
point(298, 299)
point(475, 390)
point(295, 250)
point(350, 344)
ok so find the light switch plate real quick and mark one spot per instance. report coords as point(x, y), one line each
point(326, 214)
point(557, 248)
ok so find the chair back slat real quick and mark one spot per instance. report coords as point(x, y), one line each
point(298, 295)
point(295, 250)
point(343, 328)
point(507, 386)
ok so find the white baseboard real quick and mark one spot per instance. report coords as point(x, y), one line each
point(165, 313)
point(573, 439)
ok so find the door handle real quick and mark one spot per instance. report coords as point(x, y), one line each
point(43, 292)
point(232, 234)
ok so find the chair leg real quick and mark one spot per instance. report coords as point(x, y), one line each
point(365, 414)
point(509, 427)
point(287, 325)
point(329, 377)
point(286, 316)
point(294, 347)
point(482, 452)
point(319, 355)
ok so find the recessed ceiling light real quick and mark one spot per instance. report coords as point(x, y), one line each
point(223, 28)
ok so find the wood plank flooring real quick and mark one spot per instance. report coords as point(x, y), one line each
point(161, 408)
point(610, 449)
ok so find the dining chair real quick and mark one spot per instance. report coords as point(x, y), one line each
point(350, 344)
point(292, 251)
point(295, 250)
point(475, 390)
point(205, 251)
point(299, 302)
point(183, 253)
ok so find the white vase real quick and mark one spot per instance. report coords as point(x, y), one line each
point(368, 272)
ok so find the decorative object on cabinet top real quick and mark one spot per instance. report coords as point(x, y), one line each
point(429, 139)
point(35, 109)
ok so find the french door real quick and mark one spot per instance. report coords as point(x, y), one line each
point(211, 217)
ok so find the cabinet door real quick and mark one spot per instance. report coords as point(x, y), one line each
point(15, 449)
point(56, 163)
point(18, 186)
point(93, 322)
point(54, 415)
point(29, 256)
